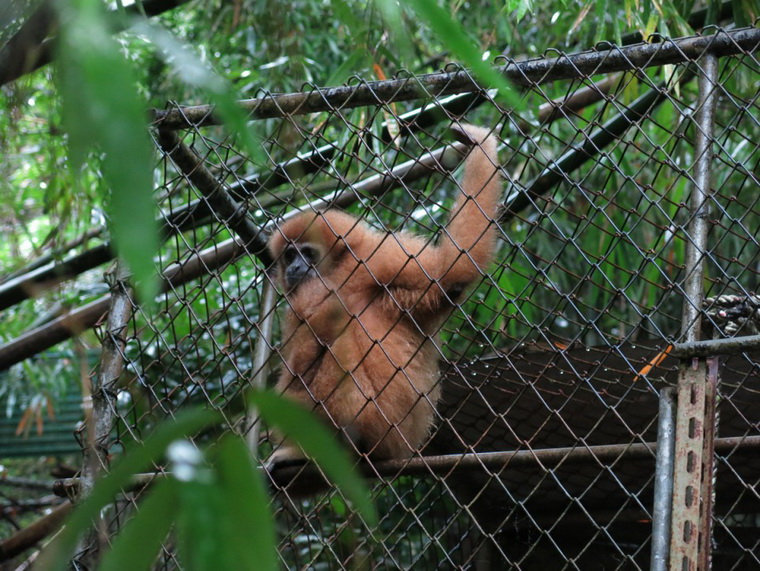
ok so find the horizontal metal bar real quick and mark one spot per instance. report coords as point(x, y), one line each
point(524, 73)
point(446, 463)
point(499, 460)
point(712, 347)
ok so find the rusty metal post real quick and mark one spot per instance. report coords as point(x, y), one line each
point(663, 481)
point(691, 532)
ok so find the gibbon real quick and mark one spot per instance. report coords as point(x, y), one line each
point(365, 307)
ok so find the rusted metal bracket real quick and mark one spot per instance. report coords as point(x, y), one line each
point(693, 467)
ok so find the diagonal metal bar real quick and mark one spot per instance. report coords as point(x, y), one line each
point(611, 131)
point(230, 212)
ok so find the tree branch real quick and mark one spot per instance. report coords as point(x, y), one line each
point(34, 533)
point(33, 47)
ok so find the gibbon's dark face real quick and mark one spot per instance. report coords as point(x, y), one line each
point(299, 262)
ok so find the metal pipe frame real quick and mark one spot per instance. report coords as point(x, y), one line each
point(445, 464)
point(691, 532)
point(523, 74)
point(663, 481)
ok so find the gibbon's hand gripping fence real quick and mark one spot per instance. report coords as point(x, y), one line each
point(627, 263)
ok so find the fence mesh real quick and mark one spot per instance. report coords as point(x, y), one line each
point(551, 364)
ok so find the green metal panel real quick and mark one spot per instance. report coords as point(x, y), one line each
point(57, 437)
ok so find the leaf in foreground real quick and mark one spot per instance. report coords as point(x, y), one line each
point(137, 544)
point(451, 34)
point(57, 553)
point(103, 112)
point(318, 443)
point(245, 500)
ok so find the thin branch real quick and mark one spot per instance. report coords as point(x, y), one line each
point(27, 483)
point(34, 533)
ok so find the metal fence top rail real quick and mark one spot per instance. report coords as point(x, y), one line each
point(604, 59)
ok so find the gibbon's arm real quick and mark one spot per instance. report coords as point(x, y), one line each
point(469, 240)
point(413, 263)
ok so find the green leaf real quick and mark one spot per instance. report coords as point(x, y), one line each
point(602, 10)
point(356, 61)
point(394, 24)
point(343, 12)
point(201, 527)
point(520, 7)
point(745, 11)
point(224, 521)
point(57, 553)
point(190, 68)
point(318, 443)
point(453, 36)
point(137, 544)
point(102, 112)
point(252, 535)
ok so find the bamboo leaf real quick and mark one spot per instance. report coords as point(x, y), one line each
point(192, 70)
point(102, 112)
point(242, 485)
point(201, 527)
point(317, 442)
point(451, 33)
point(138, 543)
point(56, 554)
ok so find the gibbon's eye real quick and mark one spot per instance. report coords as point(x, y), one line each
point(288, 255)
point(310, 255)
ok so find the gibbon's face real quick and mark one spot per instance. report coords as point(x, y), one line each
point(299, 263)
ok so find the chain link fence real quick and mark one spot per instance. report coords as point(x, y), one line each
point(545, 438)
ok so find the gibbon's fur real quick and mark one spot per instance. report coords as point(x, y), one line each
point(365, 307)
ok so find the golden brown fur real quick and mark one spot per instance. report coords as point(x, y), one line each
point(358, 336)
